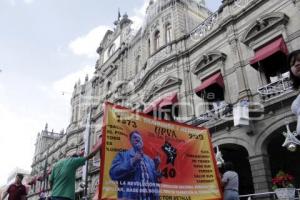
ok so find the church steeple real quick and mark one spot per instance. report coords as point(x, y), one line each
point(118, 18)
point(119, 14)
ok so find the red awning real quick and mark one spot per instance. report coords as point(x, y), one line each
point(214, 79)
point(153, 106)
point(169, 100)
point(269, 49)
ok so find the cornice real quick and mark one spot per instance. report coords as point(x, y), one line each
point(207, 60)
point(75, 131)
point(169, 82)
point(98, 115)
point(151, 71)
point(222, 25)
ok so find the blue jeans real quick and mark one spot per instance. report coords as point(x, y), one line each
point(60, 198)
point(231, 195)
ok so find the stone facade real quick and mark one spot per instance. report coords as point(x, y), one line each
point(181, 45)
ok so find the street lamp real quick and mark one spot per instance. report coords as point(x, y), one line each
point(291, 141)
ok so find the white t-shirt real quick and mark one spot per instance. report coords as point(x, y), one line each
point(296, 110)
point(230, 180)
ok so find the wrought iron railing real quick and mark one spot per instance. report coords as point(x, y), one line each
point(221, 112)
point(206, 26)
point(265, 195)
point(275, 89)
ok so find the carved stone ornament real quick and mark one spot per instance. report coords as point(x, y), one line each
point(208, 60)
point(167, 83)
point(263, 25)
point(106, 39)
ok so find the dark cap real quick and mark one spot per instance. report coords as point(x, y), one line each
point(20, 176)
point(75, 155)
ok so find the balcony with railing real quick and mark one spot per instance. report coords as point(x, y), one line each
point(222, 112)
point(266, 195)
point(275, 89)
point(219, 18)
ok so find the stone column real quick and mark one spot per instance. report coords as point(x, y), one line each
point(188, 110)
point(239, 64)
point(260, 167)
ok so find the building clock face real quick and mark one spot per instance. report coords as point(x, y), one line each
point(126, 33)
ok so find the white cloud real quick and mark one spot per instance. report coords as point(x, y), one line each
point(28, 1)
point(16, 140)
point(137, 22)
point(15, 2)
point(1, 87)
point(20, 125)
point(65, 85)
point(139, 15)
point(142, 10)
point(87, 45)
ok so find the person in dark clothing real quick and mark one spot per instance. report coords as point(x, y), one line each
point(16, 191)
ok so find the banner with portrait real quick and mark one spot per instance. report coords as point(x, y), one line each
point(146, 158)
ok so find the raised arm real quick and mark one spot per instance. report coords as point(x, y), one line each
point(95, 150)
point(51, 179)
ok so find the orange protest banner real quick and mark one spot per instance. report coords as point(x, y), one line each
point(144, 158)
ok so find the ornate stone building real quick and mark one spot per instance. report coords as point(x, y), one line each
point(224, 70)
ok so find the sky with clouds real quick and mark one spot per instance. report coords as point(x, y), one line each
point(45, 47)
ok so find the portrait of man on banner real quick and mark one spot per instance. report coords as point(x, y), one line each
point(136, 173)
point(148, 159)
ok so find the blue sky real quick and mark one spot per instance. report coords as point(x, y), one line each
point(45, 47)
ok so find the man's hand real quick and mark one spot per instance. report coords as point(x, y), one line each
point(137, 158)
point(95, 150)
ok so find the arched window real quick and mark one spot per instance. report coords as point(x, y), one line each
point(156, 40)
point(168, 33)
point(76, 113)
point(73, 115)
point(108, 86)
point(149, 48)
point(137, 63)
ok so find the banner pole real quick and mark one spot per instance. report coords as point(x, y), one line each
point(87, 151)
